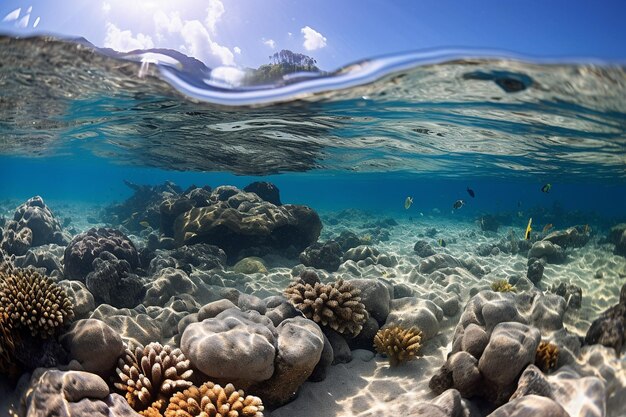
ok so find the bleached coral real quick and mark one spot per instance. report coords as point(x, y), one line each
point(335, 305)
point(151, 375)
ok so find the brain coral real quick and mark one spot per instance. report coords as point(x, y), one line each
point(211, 400)
point(151, 375)
point(398, 343)
point(335, 305)
point(32, 301)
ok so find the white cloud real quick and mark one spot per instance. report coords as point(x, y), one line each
point(289, 34)
point(237, 50)
point(196, 39)
point(227, 76)
point(270, 43)
point(312, 39)
point(214, 14)
point(199, 44)
point(123, 40)
point(36, 22)
point(23, 22)
point(106, 7)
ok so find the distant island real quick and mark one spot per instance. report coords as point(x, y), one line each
point(281, 63)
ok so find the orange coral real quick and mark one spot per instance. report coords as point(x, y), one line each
point(547, 356)
point(398, 343)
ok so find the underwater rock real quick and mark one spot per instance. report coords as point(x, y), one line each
point(142, 325)
point(47, 257)
point(82, 300)
point(375, 297)
point(348, 240)
point(545, 249)
point(242, 221)
point(142, 206)
point(94, 344)
point(547, 312)
point(266, 190)
point(423, 249)
point(16, 241)
point(530, 406)
point(535, 271)
point(168, 283)
point(485, 249)
point(572, 293)
point(489, 223)
point(573, 237)
point(326, 360)
point(170, 209)
point(72, 393)
point(189, 257)
point(579, 396)
point(249, 302)
point(299, 346)
point(36, 216)
point(617, 236)
point(325, 255)
point(415, 312)
point(278, 309)
point(609, 328)
point(234, 344)
point(367, 255)
point(438, 261)
point(86, 247)
point(341, 349)
point(111, 281)
point(250, 265)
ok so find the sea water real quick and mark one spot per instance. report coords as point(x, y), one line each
point(78, 125)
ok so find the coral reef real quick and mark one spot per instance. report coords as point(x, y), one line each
point(242, 224)
point(34, 302)
point(151, 375)
point(547, 356)
point(502, 285)
point(211, 400)
point(337, 305)
point(86, 247)
point(398, 344)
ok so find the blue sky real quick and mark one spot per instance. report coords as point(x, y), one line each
point(244, 33)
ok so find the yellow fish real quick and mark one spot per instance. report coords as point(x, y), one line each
point(528, 229)
point(408, 202)
point(144, 223)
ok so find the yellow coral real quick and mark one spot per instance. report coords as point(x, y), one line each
point(547, 356)
point(335, 305)
point(211, 400)
point(502, 285)
point(398, 343)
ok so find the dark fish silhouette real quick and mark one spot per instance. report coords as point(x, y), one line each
point(442, 243)
point(458, 204)
point(471, 192)
point(546, 188)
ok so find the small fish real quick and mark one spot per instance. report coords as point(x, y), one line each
point(421, 214)
point(528, 229)
point(442, 243)
point(546, 188)
point(586, 229)
point(408, 202)
point(458, 204)
point(520, 214)
point(547, 227)
point(144, 223)
point(471, 192)
point(135, 214)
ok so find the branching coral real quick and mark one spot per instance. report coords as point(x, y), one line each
point(335, 305)
point(211, 400)
point(547, 356)
point(32, 301)
point(398, 343)
point(502, 285)
point(151, 375)
point(7, 347)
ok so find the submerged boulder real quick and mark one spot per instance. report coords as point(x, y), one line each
point(325, 255)
point(266, 190)
point(86, 247)
point(240, 222)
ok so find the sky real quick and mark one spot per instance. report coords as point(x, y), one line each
point(244, 33)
